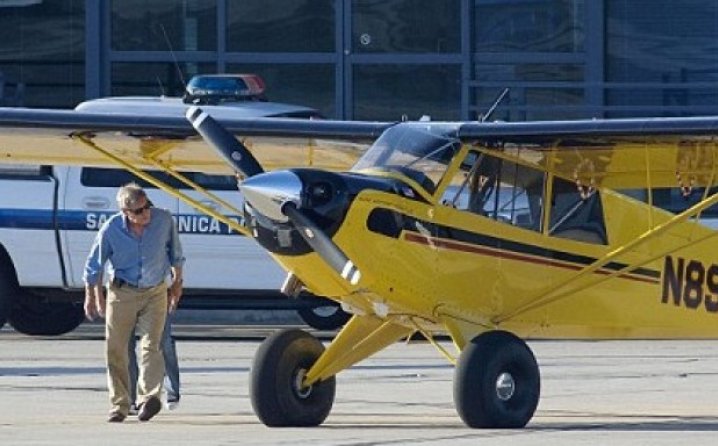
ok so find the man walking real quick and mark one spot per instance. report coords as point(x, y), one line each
point(142, 248)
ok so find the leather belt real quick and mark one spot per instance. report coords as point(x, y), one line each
point(119, 283)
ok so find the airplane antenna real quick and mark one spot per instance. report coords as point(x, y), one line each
point(497, 101)
point(174, 56)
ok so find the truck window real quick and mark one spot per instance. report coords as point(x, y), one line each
point(104, 177)
point(24, 171)
point(215, 182)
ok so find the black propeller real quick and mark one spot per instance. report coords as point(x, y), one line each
point(322, 244)
point(266, 195)
point(233, 151)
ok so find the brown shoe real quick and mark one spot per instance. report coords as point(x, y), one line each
point(149, 409)
point(116, 417)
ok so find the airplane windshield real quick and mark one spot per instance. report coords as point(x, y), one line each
point(417, 151)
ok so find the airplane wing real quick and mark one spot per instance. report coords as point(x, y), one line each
point(619, 154)
point(35, 136)
point(625, 153)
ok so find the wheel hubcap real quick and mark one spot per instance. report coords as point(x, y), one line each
point(505, 386)
point(300, 389)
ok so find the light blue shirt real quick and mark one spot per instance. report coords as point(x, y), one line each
point(142, 261)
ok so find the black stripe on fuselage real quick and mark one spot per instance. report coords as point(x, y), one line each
point(391, 224)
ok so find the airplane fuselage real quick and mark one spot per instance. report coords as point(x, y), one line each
point(424, 258)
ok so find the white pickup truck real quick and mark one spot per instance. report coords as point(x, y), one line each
point(49, 216)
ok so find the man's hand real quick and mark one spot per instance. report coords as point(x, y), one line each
point(174, 293)
point(94, 302)
point(100, 302)
point(90, 303)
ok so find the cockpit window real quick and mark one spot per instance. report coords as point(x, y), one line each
point(513, 193)
point(499, 189)
point(575, 214)
point(416, 151)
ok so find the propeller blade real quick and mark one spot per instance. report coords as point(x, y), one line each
point(233, 151)
point(322, 244)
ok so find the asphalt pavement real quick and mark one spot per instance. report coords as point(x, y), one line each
point(53, 392)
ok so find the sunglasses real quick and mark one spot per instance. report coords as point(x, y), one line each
point(138, 211)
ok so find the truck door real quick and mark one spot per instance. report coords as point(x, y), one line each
point(88, 201)
point(217, 257)
point(27, 224)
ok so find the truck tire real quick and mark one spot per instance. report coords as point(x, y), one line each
point(8, 291)
point(323, 317)
point(32, 315)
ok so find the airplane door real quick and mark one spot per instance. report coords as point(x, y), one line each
point(89, 200)
point(218, 257)
point(467, 264)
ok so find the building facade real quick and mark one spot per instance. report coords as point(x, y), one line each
point(375, 59)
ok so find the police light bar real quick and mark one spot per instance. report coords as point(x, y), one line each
point(217, 88)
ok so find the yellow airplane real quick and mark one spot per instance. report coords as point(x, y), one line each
point(488, 232)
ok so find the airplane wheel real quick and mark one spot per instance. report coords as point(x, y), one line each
point(496, 382)
point(279, 366)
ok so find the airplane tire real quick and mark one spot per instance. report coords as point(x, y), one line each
point(496, 382)
point(326, 317)
point(35, 317)
point(279, 364)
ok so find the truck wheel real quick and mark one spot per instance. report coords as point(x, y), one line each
point(33, 316)
point(323, 317)
point(276, 391)
point(496, 382)
point(8, 291)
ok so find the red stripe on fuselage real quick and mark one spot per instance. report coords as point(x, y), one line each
point(511, 255)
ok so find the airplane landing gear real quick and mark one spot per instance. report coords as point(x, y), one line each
point(496, 382)
point(276, 390)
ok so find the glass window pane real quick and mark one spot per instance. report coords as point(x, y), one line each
point(666, 43)
point(388, 92)
point(42, 55)
point(105, 177)
point(425, 26)
point(311, 85)
point(284, 26)
point(527, 97)
point(498, 189)
point(154, 78)
point(164, 25)
point(528, 72)
point(576, 214)
point(535, 26)
point(661, 41)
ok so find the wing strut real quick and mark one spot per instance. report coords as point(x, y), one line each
point(161, 185)
point(179, 177)
point(550, 296)
point(360, 338)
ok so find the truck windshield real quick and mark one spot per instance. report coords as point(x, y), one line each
point(419, 151)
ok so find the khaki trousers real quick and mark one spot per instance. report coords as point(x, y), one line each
point(144, 309)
